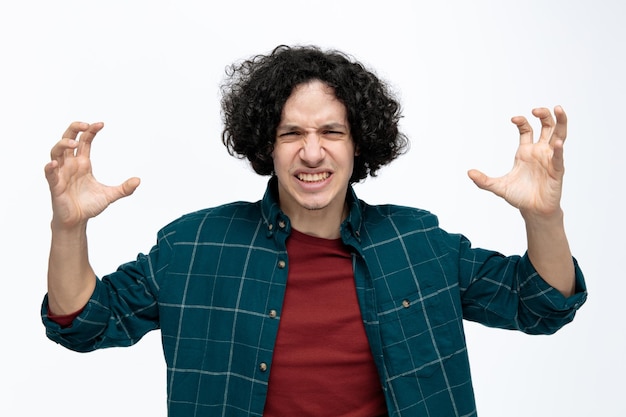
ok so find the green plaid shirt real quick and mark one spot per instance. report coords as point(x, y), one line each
point(214, 285)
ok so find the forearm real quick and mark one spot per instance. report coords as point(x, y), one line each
point(71, 280)
point(549, 251)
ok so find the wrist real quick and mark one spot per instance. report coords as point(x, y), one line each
point(63, 227)
point(543, 220)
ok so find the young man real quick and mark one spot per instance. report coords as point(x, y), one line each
point(310, 301)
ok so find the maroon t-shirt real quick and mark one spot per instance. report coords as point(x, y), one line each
point(322, 363)
point(64, 320)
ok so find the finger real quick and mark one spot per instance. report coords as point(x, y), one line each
point(126, 188)
point(130, 185)
point(560, 130)
point(547, 123)
point(84, 142)
point(480, 179)
point(71, 134)
point(484, 182)
point(557, 156)
point(525, 129)
point(74, 129)
point(60, 148)
point(50, 170)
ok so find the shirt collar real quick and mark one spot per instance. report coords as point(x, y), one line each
point(274, 218)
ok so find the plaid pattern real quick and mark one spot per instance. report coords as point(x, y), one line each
point(214, 284)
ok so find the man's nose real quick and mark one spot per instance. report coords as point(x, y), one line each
point(312, 151)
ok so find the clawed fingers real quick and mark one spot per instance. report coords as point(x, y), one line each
point(525, 129)
point(71, 143)
point(86, 137)
point(68, 140)
point(551, 129)
point(547, 123)
point(63, 148)
point(74, 129)
point(49, 171)
point(560, 130)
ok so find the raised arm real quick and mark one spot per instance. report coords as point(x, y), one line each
point(76, 197)
point(534, 186)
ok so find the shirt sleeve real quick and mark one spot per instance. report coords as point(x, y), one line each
point(64, 320)
point(507, 292)
point(121, 310)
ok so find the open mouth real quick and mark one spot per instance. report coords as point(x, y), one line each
point(317, 177)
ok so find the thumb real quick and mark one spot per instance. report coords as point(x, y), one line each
point(116, 192)
point(129, 186)
point(481, 180)
point(123, 190)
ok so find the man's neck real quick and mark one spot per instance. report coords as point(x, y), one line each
point(320, 223)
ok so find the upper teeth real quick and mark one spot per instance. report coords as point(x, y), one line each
point(313, 177)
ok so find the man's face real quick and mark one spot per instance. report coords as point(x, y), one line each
point(313, 153)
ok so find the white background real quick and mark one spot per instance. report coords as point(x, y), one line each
point(151, 71)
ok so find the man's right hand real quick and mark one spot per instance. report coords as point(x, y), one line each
point(76, 195)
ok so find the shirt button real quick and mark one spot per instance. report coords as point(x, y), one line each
point(281, 224)
point(270, 226)
point(282, 264)
point(406, 303)
point(273, 314)
point(262, 367)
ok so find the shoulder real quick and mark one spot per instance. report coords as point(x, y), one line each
point(232, 216)
point(411, 226)
point(401, 216)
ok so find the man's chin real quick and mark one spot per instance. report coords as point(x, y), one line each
point(314, 207)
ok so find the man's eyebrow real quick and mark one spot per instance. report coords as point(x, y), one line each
point(287, 127)
point(336, 125)
point(292, 127)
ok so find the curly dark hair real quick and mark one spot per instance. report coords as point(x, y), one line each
point(256, 90)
